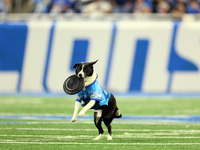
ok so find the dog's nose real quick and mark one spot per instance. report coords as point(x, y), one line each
point(80, 75)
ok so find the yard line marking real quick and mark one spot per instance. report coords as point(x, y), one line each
point(71, 143)
point(56, 129)
point(131, 130)
point(43, 122)
point(90, 137)
point(48, 137)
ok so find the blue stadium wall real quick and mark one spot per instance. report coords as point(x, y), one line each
point(37, 56)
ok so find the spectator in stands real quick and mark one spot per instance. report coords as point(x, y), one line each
point(5, 6)
point(162, 6)
point(98, 7)
point(122, 6)
point(142, 6)
point(193, 7)
point(2, 7)
point(174, 2)
point(61, 6)
point(179, 10)
point(41, 6)
point(182, 1)
point(181, 7)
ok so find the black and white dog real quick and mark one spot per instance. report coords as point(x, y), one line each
point(94, 97)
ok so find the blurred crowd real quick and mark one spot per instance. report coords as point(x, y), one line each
point(176, 7)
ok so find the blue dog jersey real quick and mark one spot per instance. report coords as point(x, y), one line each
point(94, 92)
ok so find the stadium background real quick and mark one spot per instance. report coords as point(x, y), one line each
point(152, 47)
point(149, 57)
point(134, 56)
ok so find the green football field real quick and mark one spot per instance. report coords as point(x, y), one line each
point(41, 123)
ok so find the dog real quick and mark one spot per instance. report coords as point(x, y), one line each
point(93, 96)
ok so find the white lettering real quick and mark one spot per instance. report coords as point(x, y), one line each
point(155, 73)
point(97, 33)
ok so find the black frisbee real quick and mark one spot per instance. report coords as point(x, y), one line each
point(73, 85)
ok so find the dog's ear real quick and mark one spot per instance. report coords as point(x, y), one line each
point(92, 63)
point(76, 65)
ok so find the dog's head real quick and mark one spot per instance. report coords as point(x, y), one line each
point(84, 69)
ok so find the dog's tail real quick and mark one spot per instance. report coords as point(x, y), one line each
point(118, 114)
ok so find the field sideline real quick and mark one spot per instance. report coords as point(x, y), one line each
point(148, 123)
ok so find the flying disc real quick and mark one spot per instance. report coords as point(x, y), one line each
point(73, 84)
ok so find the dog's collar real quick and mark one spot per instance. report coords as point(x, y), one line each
point(91, 79)
point(90, 84)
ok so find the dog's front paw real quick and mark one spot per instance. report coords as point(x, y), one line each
point(74, 118)
point(81, 113)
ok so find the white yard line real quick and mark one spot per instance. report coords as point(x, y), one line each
point(56, 129)
point(123, 130)
point(48, 136)
point(91, 137)
point(75, 143)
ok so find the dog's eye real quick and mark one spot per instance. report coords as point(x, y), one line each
point(79, 68)
point(84, 69)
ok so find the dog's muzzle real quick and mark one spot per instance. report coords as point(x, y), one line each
point(80, 75)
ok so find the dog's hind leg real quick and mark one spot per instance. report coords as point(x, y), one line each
point(97, 122)
point(113, 107)
point(107, 122)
